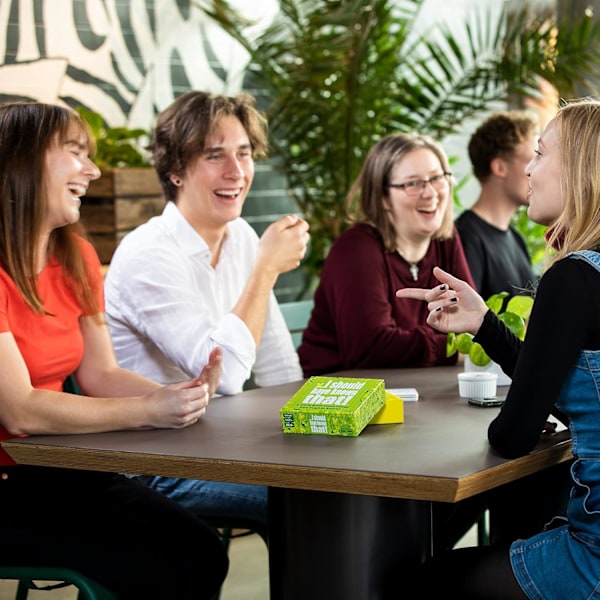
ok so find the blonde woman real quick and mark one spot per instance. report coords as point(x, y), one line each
point(554, 370)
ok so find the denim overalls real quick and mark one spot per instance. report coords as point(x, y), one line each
point(563, 562)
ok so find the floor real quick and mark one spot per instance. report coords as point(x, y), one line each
point(248, 577)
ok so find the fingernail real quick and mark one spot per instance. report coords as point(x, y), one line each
point(442, 287)
point(438, 309)
point(453, 299)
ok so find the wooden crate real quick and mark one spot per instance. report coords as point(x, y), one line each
point(116, 203)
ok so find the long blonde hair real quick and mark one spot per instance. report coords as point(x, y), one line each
point(578, 226)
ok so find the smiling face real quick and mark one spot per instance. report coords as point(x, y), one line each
point(417, 217)
point(546, 201)
point(214, 187)
point(67, 176)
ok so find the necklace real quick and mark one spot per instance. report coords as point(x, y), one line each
point(412, 267)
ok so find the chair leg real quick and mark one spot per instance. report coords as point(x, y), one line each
point(22, 591)
point(225, 535)
point(483, 536)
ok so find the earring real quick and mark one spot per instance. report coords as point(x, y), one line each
point(176, 181)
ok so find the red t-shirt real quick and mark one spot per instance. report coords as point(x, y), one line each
point(358, 322)
point(51, 344)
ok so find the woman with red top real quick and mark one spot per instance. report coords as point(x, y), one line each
point(403, 228)
point(124, 535)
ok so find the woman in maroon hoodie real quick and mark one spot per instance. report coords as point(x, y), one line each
point(401, 207)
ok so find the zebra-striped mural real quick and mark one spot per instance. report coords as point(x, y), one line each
point(125, 59)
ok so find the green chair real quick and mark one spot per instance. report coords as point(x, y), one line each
point(297, 315)
point(31, 578)
point(232, 528)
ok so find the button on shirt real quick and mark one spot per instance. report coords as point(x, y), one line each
point(167, 307)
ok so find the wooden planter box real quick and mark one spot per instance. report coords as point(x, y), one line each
point(116, 203)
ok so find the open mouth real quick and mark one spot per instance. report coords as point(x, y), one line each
point(427, 211)
point(77, 189)
point(228, 194)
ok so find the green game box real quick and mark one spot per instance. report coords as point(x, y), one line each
point(333, 406)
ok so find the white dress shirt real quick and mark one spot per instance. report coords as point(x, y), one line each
point(167, 308)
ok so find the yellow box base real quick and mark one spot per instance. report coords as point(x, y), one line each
point(391, 412)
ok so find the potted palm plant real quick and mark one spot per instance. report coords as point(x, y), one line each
point(336, 76)
point(127, 193)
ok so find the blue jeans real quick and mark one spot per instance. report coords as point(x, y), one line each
point(213, 498)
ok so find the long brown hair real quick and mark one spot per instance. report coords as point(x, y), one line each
point(366, 200)
point(27, 131)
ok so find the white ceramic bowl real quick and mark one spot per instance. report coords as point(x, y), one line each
point(491, 367)
point(477, 384)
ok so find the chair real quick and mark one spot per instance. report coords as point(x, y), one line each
point(28, 576)
point(232, 528)
point(296, 315)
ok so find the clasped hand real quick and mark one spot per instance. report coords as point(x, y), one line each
point(183, 404)
point(453, 305)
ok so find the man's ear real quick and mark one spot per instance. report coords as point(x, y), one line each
point(498, 167)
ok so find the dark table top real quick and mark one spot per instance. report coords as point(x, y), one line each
point(440, 452)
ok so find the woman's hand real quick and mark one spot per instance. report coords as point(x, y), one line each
point(177, 405)
point(453, 306)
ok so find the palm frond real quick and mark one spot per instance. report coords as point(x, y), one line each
point(339, 75)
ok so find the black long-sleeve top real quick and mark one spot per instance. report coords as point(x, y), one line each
point(564, 321)
point(498, 259)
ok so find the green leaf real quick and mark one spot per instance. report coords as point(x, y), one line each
point(464, 341)
point(478, 356)
point(520, 305)
point(514, 322)
point(451, 344)
point(336, 76)
point(119, 147)
point(496, 301)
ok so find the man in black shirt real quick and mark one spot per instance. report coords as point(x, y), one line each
point(497, 254)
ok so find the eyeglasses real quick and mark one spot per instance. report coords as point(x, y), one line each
point(416, 187)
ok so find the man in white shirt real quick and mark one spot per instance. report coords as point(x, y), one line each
point(198, 276)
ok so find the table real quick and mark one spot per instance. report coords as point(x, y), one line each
point(338, 506)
